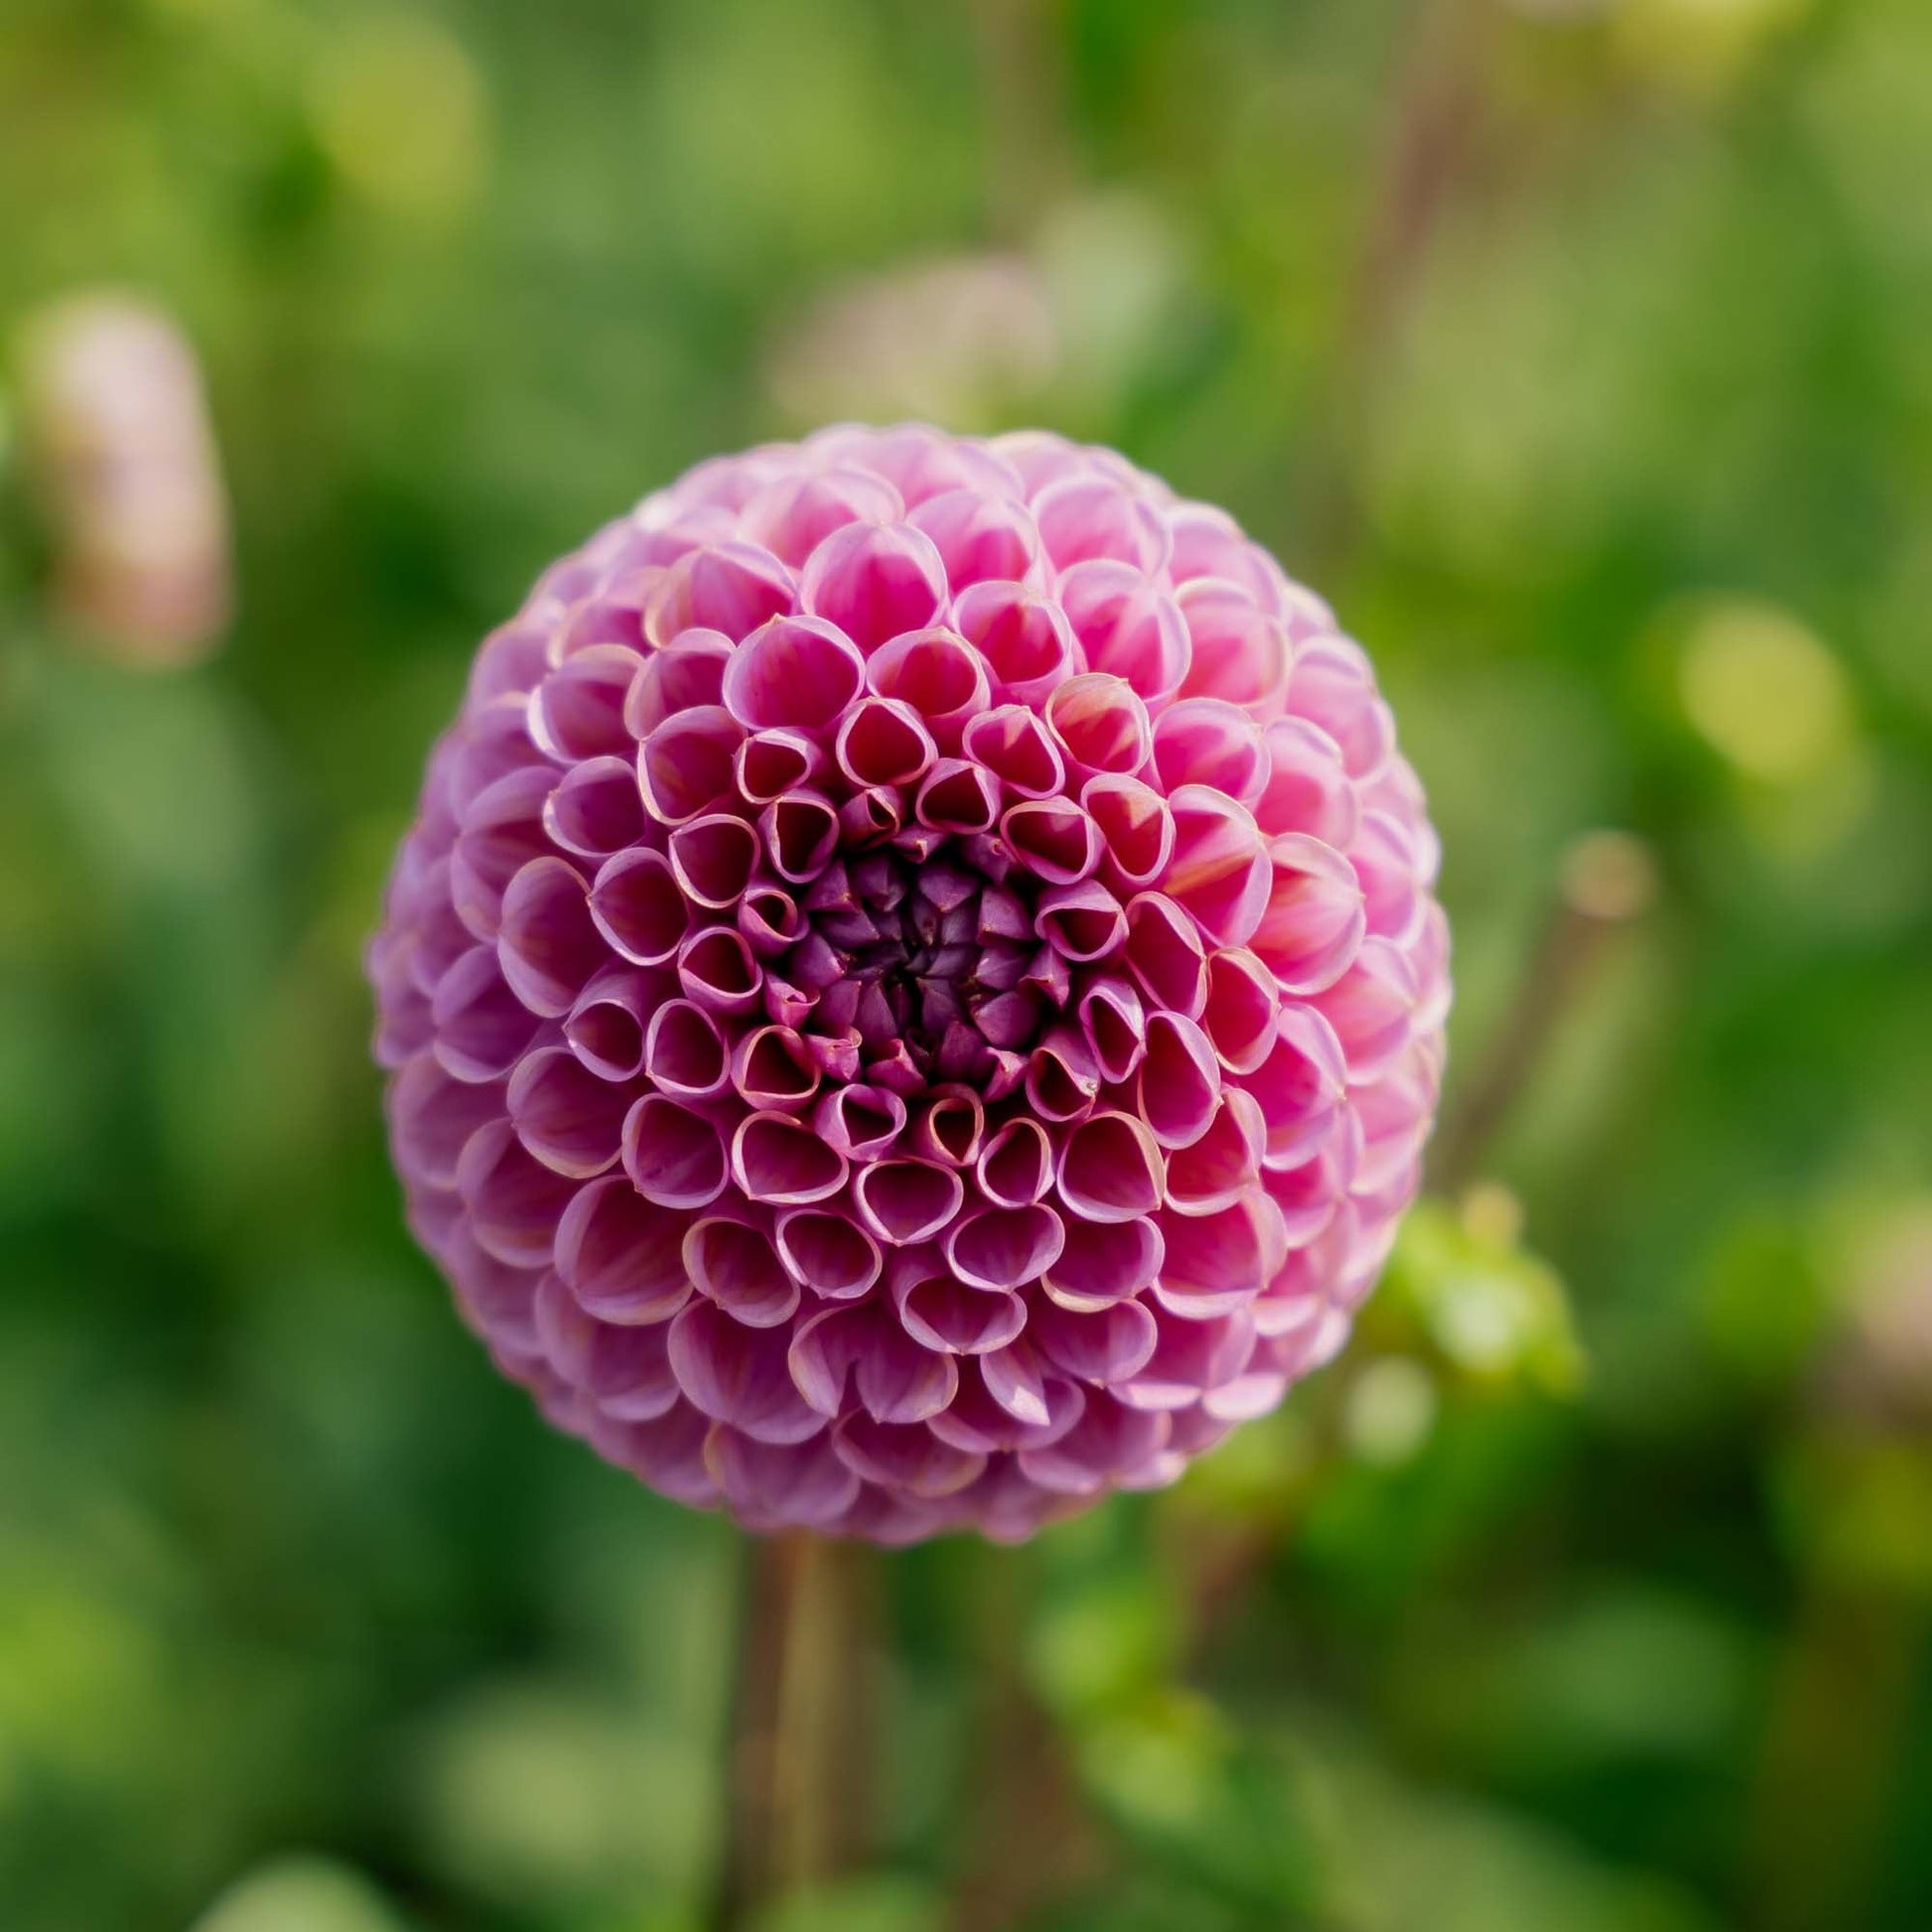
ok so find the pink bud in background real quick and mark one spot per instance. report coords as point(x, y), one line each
point(915, 994)
point(129, 477)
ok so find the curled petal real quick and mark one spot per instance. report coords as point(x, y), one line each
point(793, 516)
point(728, 586)
point(1107, 1344)
point(667, 1453)
point(716, 970)
point(1111, 1261)
point(689, 672)
point(1114, 1024)
point(861, 1347)
point(1135, 829)
point(1100, 725)
point(684, 1052)
point(1002, 1247)
point(1127, 626)
point(672, 1154)
point(875, 581)
point(1025, 639)
point(771, 764)
point(1015, 1166)
point(936, 674)
point(1082, 517)
point(481, 1027)
point(1243, 1001)
point(801, 833)
point(621, 1255)
point(780, 1161)
point(778, 1485)
point(952, 1316)
point(978, 537)
point(1014, 745)
point(828, 1253)
point(860, 1121)
point(1298, 1086)
point(1190, 1359)
point(881, 742)
point(1210, 741)
point(1333, 686)
point(1054, 839)
point(903, 1457)
point(793, 671)
point(1179, 1081)
point(773, 1071)
point(684, 767)
point(1239, 652)
point(771, 921)
point(712, 859)
point(1215, 1170)
point(1108, 1445)
point(577, 712)
point(513, 1200)
point(595, 808)
point(738, 1376)
point(1216, 1263)
point(547, 943)
point(1220, 871)
point(732, 1261)
point(958, 797)
point(1316, 916)
point(1063, 1082)
point(431, 1115)
point(1111, 1169)
point(571, 1121)
point(951, 1127)
point(1081, 922)
point(1372, 1010)
point(640, 908)
point(1308, 789)
point(624, 1370)
point(906, 1201)
point(1165, 954)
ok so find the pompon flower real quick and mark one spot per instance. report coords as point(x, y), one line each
point(915, 994)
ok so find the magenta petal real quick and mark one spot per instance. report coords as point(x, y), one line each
point(1111, 1169)
point(547, 943)
point(621, 1255)
point(712, 859)
point(1016, 1166)
point(738, 1376)
point(686, 764)
point(1100, 725)
point(781, 1162)
point(875, 581)
point(903, 1457)
point(794, 672)
point(638, 906)
point(1024, 638)
point(904, 1201)
point(673, 1154)
point(733, 1263)
point(1003, 1247)
point(571, 1121)
point(829, 1254)
point(513, 1200)
point(1108, 1263)
point(774, 1485)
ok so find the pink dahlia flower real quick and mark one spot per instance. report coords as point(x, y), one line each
point(914, 997)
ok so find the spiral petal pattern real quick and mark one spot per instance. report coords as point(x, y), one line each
point(915, 996)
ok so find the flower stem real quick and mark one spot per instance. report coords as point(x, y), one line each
point(798, 1775)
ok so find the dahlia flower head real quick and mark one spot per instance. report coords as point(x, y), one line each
point(915, 996)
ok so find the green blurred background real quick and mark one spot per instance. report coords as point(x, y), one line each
point(1581, 350)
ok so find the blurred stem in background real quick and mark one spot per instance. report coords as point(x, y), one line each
point(801, 1754)
point(1606, 880)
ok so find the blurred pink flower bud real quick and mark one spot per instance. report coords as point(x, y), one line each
point(129, 478)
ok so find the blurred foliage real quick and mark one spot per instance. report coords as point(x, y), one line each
point(1582, 351)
